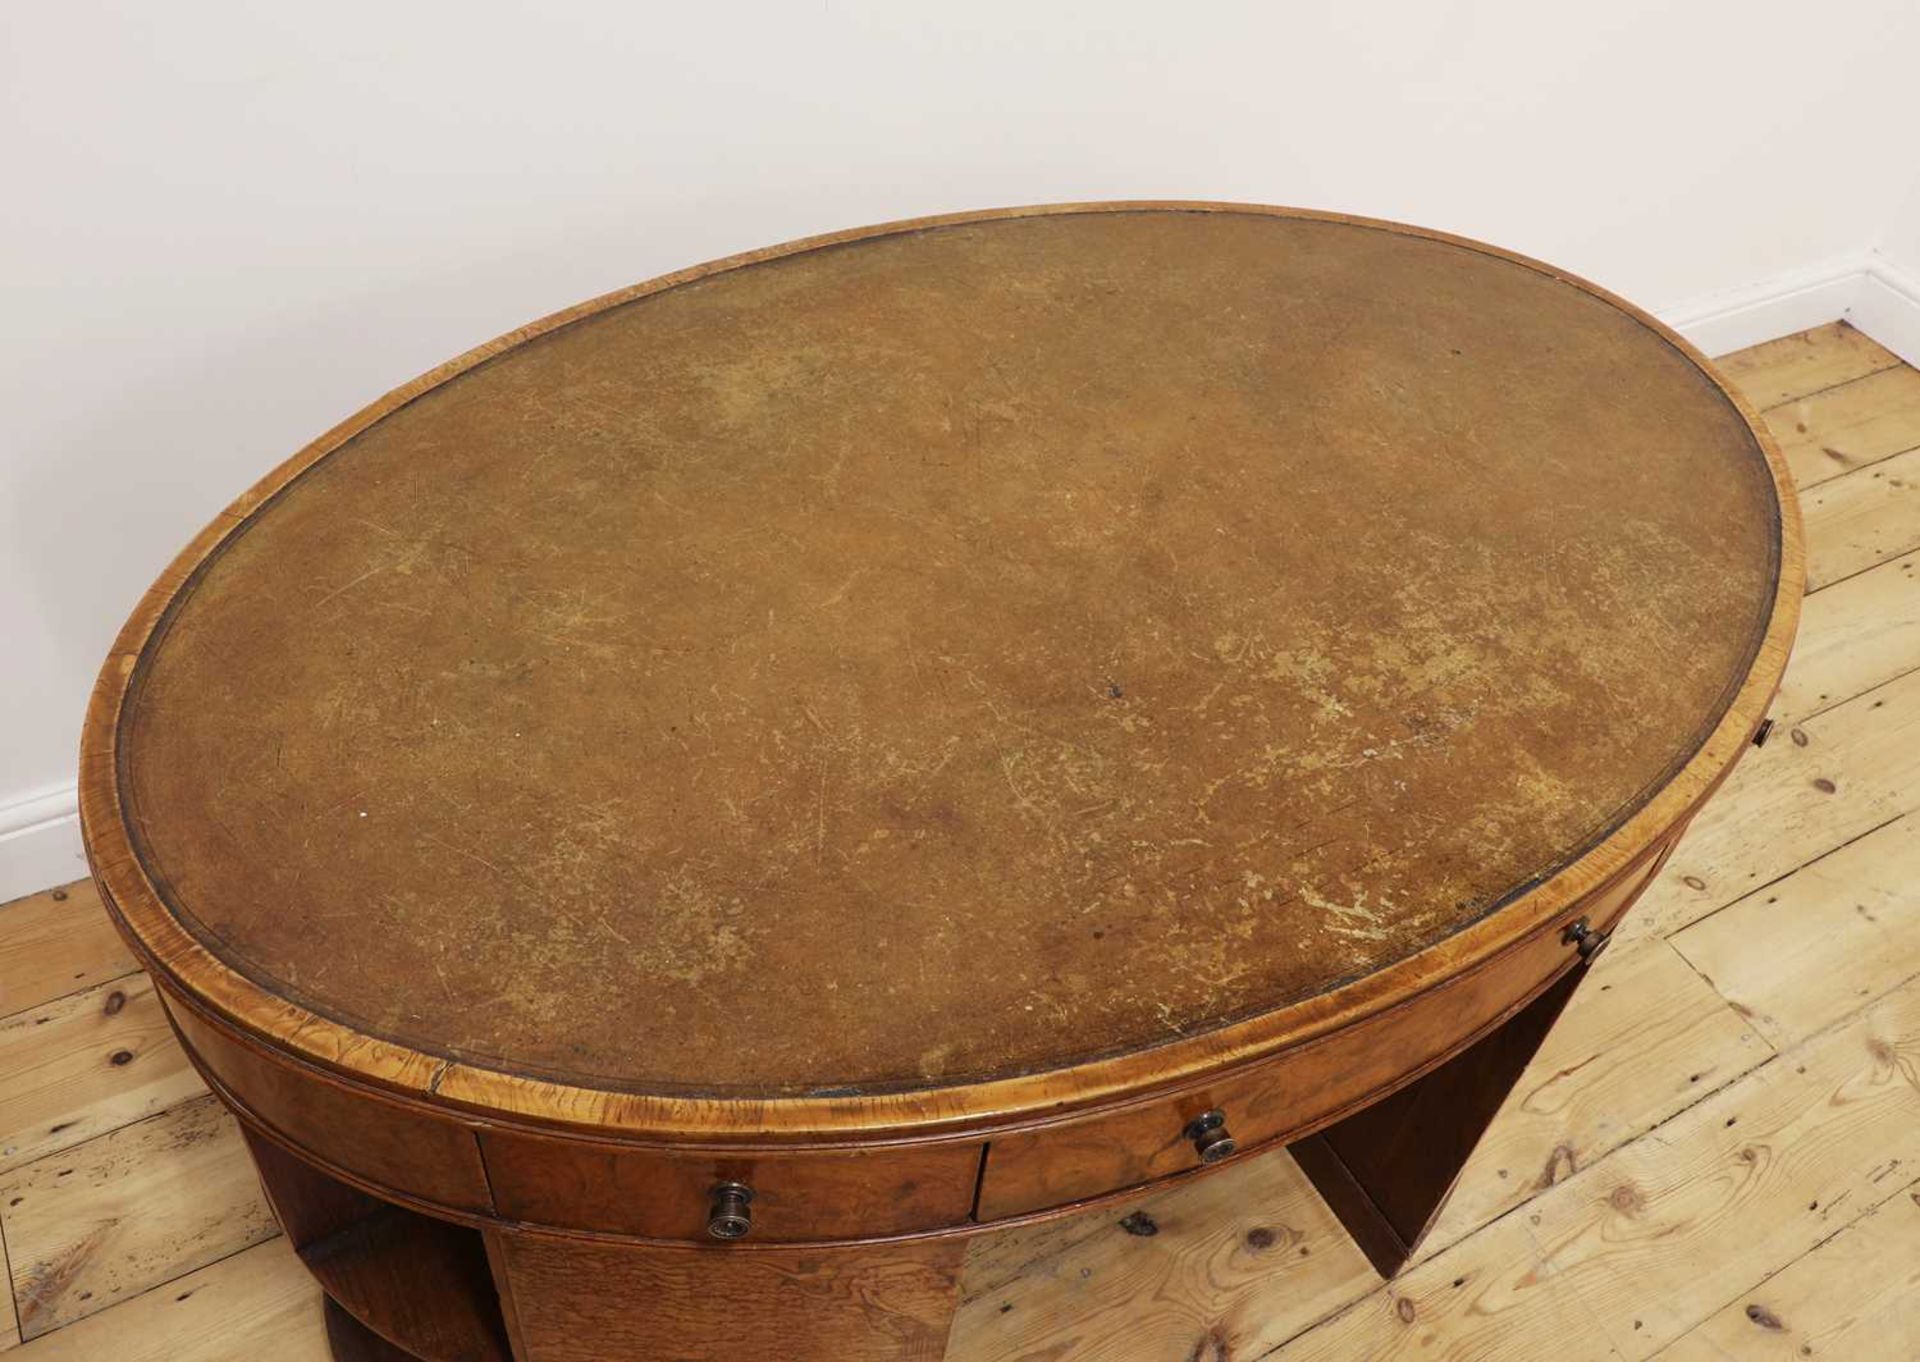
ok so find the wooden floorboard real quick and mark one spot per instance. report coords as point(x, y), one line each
point(1855, 636)
point(1645, 1038)
point(1866, 517)
point(1849, 426)
point(1714, 1156)
point(1734, 1189)
point(1799, 366)
point(257, 1306)
point(84, 1065)
point(56, 943)
point(1856, 1296)
point(1820, 944)
point(1815, 786)
point(1629, 1254)
point(1241, 1260)
point(107, 1219)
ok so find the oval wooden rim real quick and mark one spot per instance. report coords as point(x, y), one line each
point(166, 945)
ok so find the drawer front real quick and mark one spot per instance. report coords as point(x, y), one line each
point(1292, 1093)
point(581, 1301)
point(428, 1157)
point(798, 1195)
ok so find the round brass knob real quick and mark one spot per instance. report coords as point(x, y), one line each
point(1211, 1141)
point(732, 1213)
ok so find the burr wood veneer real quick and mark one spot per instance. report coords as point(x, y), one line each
point(666, 825)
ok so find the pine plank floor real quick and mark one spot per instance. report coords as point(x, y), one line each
point(1716, 1155)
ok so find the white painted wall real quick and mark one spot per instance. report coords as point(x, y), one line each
point(1887, 305)
point(229, 224)
point(1900, 241)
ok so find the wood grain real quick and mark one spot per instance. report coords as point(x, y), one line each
point(1224, 1267)
point(1815, 786)
point(1644, 1038)
point(1501, 1303)
point(1850, 426)
point(92, 1225)
point(419, 1283)
point(1855, 1296)
point(1855, 635)
point(86, 1064)
point(55, 943)
point(1863, 518)
point(1730, 1192)
point(352, 1341)
point(579, 1302)
point(307, 1204)
point(667, 1194)
point(1804, 363)
point(1823, 942)
point(424, 1153)
point(259, 1303)
point(1742, 1184)
point(1648, 1039)
point(1386, 1169)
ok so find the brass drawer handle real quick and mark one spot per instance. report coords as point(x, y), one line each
point(732, 1213)
point(1211, 1141)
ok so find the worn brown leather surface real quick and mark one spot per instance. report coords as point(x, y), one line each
point(953, 654)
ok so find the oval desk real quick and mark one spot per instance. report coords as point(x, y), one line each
point(665, 826)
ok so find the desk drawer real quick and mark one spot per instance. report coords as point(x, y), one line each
point(798, 1195)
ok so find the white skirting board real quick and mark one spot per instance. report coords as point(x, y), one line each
point(40, 842)
point(1869, 290)
point(1886, 306)
point(40, 832)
